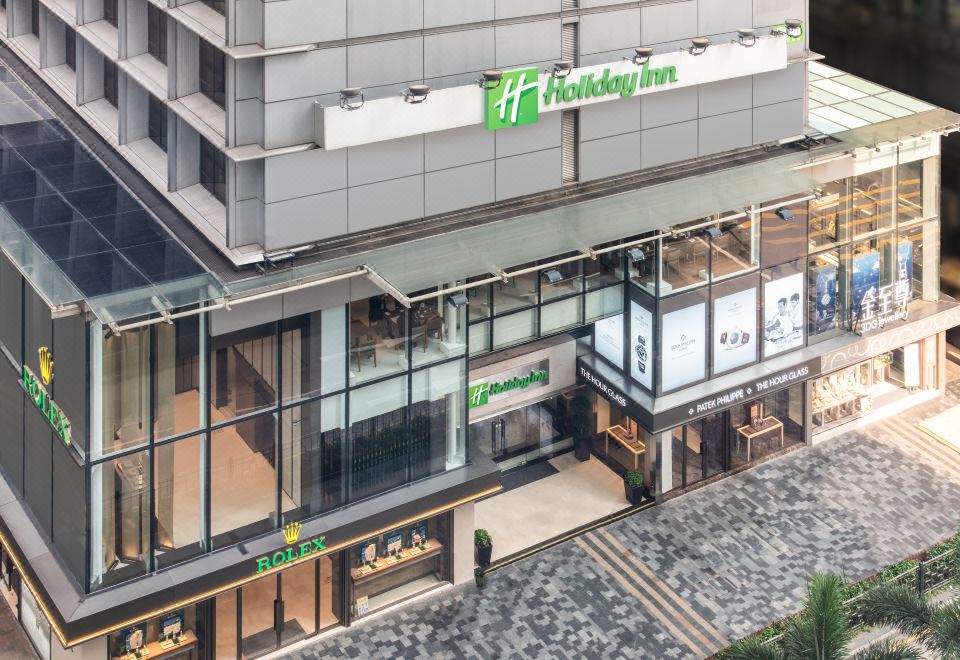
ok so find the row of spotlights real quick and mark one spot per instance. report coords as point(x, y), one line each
point(351, 98)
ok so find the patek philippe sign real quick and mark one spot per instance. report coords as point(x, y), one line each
point(293, 551)
point(521, 96)
point(36, 388)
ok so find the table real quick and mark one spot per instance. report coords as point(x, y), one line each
point(187, 647)
point(629, 442)
point(770, 424)
point(388, 564)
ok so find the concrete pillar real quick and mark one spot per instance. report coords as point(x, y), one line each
point(665, 464)
point(462, 542)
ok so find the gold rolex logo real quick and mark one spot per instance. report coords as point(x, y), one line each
point(291, 532)
point(46, 365)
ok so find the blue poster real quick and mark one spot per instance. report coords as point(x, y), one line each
point(865, 276)
point(905, 270)
point(826, 287)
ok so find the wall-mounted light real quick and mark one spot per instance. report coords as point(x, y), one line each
point(794, 28)
point(490, 79)
point(712, 232)
point(561, 69)
point(351, 98)
point(551, 275)
point(747, 37)
point(784, 214)
point(641, 54)
point(416, 93)
point(635, 255)
point(458, 299)
point(698, 45)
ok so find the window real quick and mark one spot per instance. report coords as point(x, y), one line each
point(178, 365)
point(378, 438)
point(179, 495)
point(871, 207)
point(35, 18)
point(683, 261)
point(828, 291)
point(783, 233)
point(243, 377)
point(829, 219)
point(783, 309)
point(735, 249)
point(438, 422)
point(437, 330)
point(110, 81)
point(212, 72)
point(213, 170)
point(120, 518)
point(378, 337)
point(561, 281)
point(110, 12)
point(313, 457)
point(126, 392)
point(157, 122)
point(157, 33)
point(516, 292)
point(70, 46)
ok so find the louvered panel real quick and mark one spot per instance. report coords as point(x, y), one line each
point(569, 42)
point(569, 145)
point(569, 4)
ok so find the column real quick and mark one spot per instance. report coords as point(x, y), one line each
point(665, 463)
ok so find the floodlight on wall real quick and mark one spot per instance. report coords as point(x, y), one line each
point(490, 79)
point(698, 46)
point(458, 299)
point(416, 93)
point(561, 69)
point(794, 28)
point(551, 275)
point(712, 232)
point(784, 214)
point(635, 255)
point(641, 55)
point(351, 98)
point(747, 37)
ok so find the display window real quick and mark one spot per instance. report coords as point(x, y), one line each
point(783, 309)
point(171, 635)
point(735, 336)
point(682, 357)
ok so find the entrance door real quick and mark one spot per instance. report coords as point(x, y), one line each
point(278, 611)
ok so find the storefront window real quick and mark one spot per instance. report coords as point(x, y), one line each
point(560, 315)
point(35, 624)
point(302, 356)
point(873, 265)
point(438, 421)
point(783, 233)
point(918, 254)
point(178, 394)
point(603, 303)
point(619, 438)
point(120, 519)
point(561, 280)
point(642, 264)
point(378, 337)
point(828, 290)
point(437, 330)
point(699, 450)
point(783, 309)
point(910, 191)
point(173, 633)
point(179, 500)
point(479, 338)
point(243, 480)
point(829, 219)
point(478, 298)
point(871, 202)
point(735, 336)
point(515, 328)
point(398, 565)
point(379, 442)
point(515, 292)
point(243, 372)
point(736, 249)
point(126, 391)
point(683, 341)
point(605, 269)
point(684, 261)
point(226, 622)
point(312, 475)
point(333, 344)
point(765, 426)
point(642, 339)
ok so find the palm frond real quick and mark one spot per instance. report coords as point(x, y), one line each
point(753, 648)
point(944, 634)
point(821, 631)
point(897, 606)
point(889, 649)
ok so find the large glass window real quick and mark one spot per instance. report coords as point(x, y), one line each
point(243, 480)
point(642, 265)
point(736, 249)
point(829, 218)
point(606, 269)
point(515, 328)
point(562, 280)
point(157, 121)
point(515, 292)
point(301, 356)
point(179, 496)
point(157, 33)
point(683, 341)
point(828, 293)
point(603, 302)
point(437, 330)
point(872, 266)
point(735, 336)
point(333, 363)
point(918, 260)
point(314, 446)
point(910, 201)
point(120, 519)
point(378, 338)
point(126, 391)
point(438, 422)
point(783, 233)
point(765, 426)
point(213, 170)
point(243, 372)
point(178, 376)
point(783, 309)
point(683, 261)
point(212, 72)
point(379, 443)
point(560, 315)
point(871, 202)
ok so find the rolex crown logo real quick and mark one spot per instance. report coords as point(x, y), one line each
point(46, 365)
point(291, 532)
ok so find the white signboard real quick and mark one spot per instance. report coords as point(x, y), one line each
point(684, 346)
point(783, 314)
point(641, 337)
point(608, 339)
point(734, 330)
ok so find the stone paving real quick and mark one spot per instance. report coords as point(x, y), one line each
point(737, 554)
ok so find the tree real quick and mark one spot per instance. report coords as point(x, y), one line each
point(936, 627)
point(820, 632)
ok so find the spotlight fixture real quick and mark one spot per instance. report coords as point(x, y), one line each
point(712, 232)
point(552, 275)
point(416, 93)
point(747, 37)
point(784, 214)
point(351, 98)
point(561, 69)
point(458, 299)
point(699, 45)
point(641, 54)
point(794, 28)
point(490, 79)
point(635, 255)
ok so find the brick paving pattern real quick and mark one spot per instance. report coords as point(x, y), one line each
point(717, 563)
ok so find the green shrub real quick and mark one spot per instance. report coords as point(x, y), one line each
point(481, 538)
point(633, 478)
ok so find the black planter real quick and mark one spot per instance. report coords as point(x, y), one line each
point(634, 494)
point(484, 553)
point(582, 449)
point(480, 578)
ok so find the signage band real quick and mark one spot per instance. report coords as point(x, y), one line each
point(294, 551)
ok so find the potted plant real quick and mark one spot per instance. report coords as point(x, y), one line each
point(633, 486)
point(483, 546)
point(479, 577)
point(580, 419)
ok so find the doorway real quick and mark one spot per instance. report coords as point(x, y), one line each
point(517, 437)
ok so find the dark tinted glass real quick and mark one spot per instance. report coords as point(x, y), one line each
point(157, 33)
point(212, 72)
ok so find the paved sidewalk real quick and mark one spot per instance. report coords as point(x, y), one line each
point(678, 580)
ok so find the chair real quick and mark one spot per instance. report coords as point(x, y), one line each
point(365, 349)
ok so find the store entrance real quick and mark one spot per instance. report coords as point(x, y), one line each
point(520, 436)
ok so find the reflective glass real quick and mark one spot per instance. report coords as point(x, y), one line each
point(179, 500)
point(120, 519)
point(378, 337)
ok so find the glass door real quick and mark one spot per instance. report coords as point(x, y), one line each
point(259, 606)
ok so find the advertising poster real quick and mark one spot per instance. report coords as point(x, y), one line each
point(734, 330)
point(783, 314)
point(905, 270)
point(608, 339)
point(826, 283)
point(684, 349)
point(641, 334)
point(865, 276)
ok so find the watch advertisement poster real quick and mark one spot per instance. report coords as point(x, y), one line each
point(641, 335)
point(783, 314)
point(608, 339)
point(734, 330)
point(684, 347)
point(826, 283)
point(865, 276)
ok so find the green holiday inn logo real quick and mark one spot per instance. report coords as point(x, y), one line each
point(479, 394)
point(516, 100)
